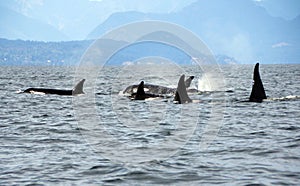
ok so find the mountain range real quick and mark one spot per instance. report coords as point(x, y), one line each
point(241, 29)
point(15, 25)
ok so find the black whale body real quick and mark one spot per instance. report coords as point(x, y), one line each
point(159, 91)
point(144, 91)
point(78, 89)
point(181, 95)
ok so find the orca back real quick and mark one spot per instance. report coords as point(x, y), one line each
point(258, 91)
point(48, 91)
point(78, 89)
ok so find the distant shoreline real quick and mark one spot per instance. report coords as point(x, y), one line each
point(67, 53)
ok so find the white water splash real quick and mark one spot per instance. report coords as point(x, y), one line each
point(209, 82)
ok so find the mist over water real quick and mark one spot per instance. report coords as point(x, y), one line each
point(46, 140)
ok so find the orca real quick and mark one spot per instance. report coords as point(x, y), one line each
point(78, 89)
point(159, 91)
point(258, 91)
point(181, 95)
point(141, 95)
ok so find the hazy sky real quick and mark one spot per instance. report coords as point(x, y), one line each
point(287, 9)
point(283, 8)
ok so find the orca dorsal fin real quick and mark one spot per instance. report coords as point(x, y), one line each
point(181, 95)
point(258, 91)
point(140, 93)
point(78, 89)
point(188, 81)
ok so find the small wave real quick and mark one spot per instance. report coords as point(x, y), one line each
point(285, 98)
point(291, 128)
point(19, 91)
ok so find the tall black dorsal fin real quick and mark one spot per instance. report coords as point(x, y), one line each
point(181, 95)
point(188, 81)
point(258, 91)
point(78, 89)
point(140, 94)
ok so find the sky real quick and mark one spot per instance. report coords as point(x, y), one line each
point(287, 9)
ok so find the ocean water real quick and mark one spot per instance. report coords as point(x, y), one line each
point(103, 138)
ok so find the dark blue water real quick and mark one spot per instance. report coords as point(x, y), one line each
point(110, 140)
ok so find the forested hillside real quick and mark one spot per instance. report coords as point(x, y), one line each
point(19, 52)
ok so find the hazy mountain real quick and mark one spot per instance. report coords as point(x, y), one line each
point(15, 25)
point(76, 18)
point(241, 29)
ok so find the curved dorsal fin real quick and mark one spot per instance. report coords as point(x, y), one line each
point(258, 91)
point(78, 89)
point(188, 81)
point(140, 94)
